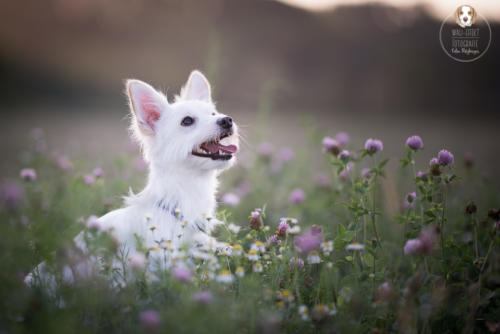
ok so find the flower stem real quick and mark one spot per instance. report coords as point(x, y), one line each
point(417, 191)
point(374, 195)
point(442, 221)
point(490, 247)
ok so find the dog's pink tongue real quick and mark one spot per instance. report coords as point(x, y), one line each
point(215, 147)
point(228, 149)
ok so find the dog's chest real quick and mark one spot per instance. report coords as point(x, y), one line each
point(160, 225)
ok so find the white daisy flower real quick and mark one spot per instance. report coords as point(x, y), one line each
point(233, 228)
point(257, 267)
point(213, 264)
point(355, 246)
point(294, 230)
point(207, 275)
point(237, 250)
point(313, 257)
point(253, 255)
point(225, 276)
point(346, 293)
point(287, 295)
point(240, 271)
point(327, 246)
point(289, 220)
point(304, 312)
point(226, 250)
point(321, 310)
point(197, 254)
point(258, 246)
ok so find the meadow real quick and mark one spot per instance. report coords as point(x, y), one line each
point(334, 252)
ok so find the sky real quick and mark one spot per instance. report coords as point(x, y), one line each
point(441, 8)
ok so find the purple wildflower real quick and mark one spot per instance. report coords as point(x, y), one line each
point(366, 173)
point(407, 205)
point(266, 149)
point(28, 174)
point(425, 244)
point(373, 145)
point(282, 229)
point(255, 222)
point(89, 179)
point(255, 214)
point(344, 155)
point(182, 273)
point(63, 163)
point(11, 194)
point(243, 188)
point(421, 175)
point(384, 291)
point(273, 240)
point(137, 261)
point(445, 158)
point(428, 240)
point(286, 154)
point(322, 180)
point(296, 262)
point(433, 162)
point(98, 172)
point(342, 138)
point(297, 196)
point(316, 230)
point(412, 246)
point(414, 142)
point(230, 199)
point(204, 297)
point(410, 197)
point(150, 319)
point(309, 240)
point(344, 174)
point(93, 223)
point(331, 145)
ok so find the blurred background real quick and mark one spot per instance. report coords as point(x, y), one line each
point(278, 67)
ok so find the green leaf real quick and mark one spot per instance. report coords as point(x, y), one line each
point(383, 163)
point(430, 213)
point(369, 259)
point(341, 231)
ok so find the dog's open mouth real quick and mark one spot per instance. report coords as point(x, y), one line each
point(214, 150)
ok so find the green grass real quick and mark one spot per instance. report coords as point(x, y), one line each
point(451, 288)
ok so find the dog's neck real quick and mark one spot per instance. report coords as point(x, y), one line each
point(192, 192)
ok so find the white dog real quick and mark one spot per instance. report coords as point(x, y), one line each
point(186, 143)
point(465, 16)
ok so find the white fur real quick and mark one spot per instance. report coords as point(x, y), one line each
point(179, 198)
point(465, 16)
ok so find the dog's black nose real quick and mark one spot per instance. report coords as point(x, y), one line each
point(225, 122)
point(465, 18)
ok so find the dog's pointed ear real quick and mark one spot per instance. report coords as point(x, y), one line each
point(146, 105)
point(197, 88)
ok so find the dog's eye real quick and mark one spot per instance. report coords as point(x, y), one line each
point(187, 121)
